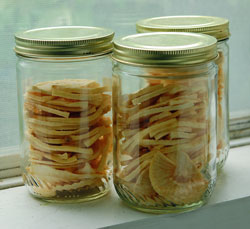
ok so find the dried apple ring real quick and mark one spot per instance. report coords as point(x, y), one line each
point(178, 181)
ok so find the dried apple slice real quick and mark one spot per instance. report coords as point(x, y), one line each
point(38, 109)
point(46, 87)
point(68, 102)
point(38, 97)
point(87, 182)
point(176, 179)
point(62, 158)
point(143, 185)
point(36, 143)
point(144, 91)
point(56, 175)
point(60, 131)
point(150, 95)
point(74, 96)
point(72, 121)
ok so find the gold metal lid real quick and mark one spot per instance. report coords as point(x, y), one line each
point(64, 42)
point(160, 48)
point(213, 26)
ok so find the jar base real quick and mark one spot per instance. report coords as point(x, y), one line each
point(82, 194)
point(70, 199)
point(164, 210)
point(131, 201)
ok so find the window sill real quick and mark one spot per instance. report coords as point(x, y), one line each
point(19, 210)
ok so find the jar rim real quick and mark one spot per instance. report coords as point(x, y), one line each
point(165, 48)
point(214, 26)
point(64, 42)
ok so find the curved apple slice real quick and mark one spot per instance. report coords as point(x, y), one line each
point(176, 179)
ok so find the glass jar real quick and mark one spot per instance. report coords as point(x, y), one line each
point(218, 28)
point(64, 98)
point(164, 120)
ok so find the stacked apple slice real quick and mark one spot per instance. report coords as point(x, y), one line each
point(163, 141)
point(69, 137)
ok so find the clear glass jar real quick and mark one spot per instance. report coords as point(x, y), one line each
point(164, 120)
point(218, 28)
point(64, 110)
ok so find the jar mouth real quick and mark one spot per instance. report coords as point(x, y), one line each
point(62, 58)
point(165, 72)
point(163, 65)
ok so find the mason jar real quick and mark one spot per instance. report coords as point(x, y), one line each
point(218, 28)
point(64, 99)
point(164, 120)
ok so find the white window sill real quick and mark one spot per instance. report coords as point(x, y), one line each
point(19, 210)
